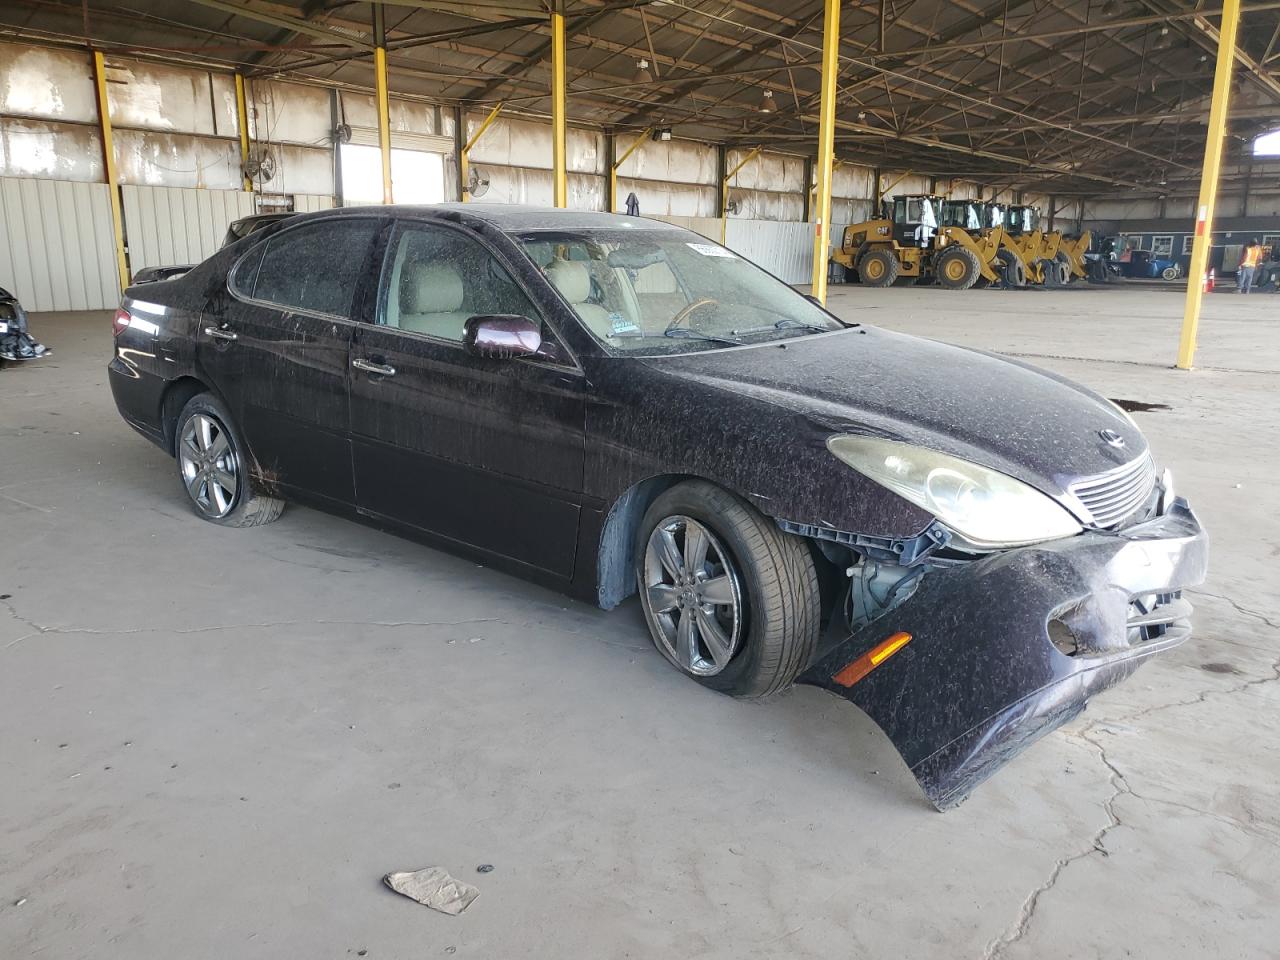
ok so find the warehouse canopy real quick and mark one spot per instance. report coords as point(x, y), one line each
point(1045, 94)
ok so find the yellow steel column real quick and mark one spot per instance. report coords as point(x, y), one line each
point(109, 164)
point(560, 186)
point(464, 155)
point(1209, 181)
point(242, 122)
point(826, 144)
point(384, 120)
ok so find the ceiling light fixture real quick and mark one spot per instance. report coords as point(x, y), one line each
point(642, 72)
point(1164, 40)
point(766, 102)
point(1111, 8)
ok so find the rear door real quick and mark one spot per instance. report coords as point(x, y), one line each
point(276, 348)
point(482, 452)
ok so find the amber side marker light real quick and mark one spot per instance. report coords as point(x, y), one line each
point(871, 659)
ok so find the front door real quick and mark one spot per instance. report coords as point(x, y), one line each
point(482, 452)
point(276, 346)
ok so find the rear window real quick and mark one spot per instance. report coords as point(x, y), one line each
point(314, 267)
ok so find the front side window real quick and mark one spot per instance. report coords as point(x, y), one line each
point(437, 277)
point(669, 291)
point(314, 267)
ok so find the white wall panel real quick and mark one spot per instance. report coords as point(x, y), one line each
point(288, 112)
point(42, 82)
point(662, 200)
point(156, 97)
point(527, 143)
point(171, 225)
point(49, 151)
point(708, 227)
point(57, 250)
point(310, 202)
point(533, 186)
point(176, 160)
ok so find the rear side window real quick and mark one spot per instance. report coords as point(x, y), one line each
point(312, 267)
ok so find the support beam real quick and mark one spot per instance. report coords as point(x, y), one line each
point(459, 149)
point(464, 155)
point(613, 167)
point(384, 104)
point(826, 140)
point(109, 164)
point(242, 124)
point(724, 184)
point(559, 151)
point(1209, 181)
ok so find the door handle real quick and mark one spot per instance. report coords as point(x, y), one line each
point(220, 334)
point(368, 366)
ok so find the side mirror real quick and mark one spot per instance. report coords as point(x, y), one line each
point(502, 336)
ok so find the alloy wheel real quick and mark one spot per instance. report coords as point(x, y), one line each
point(210, 467)
point(692, 596)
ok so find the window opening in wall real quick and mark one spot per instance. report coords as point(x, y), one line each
point(416, 176)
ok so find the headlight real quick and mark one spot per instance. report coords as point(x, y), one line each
point(986, 507)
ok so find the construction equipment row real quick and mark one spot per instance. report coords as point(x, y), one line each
point(959, 244)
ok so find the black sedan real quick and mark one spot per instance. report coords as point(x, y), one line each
point(964, 546)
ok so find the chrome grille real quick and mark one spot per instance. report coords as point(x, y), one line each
point(1112, 496)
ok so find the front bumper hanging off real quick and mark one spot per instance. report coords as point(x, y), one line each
point(980, 679)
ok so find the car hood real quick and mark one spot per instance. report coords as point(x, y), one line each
point(1004, 414)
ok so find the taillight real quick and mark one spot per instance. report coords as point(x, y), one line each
point(119, 321)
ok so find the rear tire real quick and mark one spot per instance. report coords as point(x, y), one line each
point(878, 268)
point(213, 466)
point(756, 625)
point(1064, 265)
point(957, 268)
point(1012, 271)
point(1049, 271)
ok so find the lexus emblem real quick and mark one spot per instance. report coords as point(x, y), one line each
point(1111, 438)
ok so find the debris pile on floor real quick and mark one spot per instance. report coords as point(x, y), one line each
point(433, 887)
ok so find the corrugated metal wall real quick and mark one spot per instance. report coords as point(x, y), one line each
point(174, 225)
point(784, 248)
point(57, 251)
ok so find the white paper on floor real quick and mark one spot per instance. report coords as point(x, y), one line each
point(434, 887)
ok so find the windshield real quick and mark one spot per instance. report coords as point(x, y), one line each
point(669, 292)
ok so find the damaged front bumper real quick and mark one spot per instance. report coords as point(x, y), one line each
point(1007, 648)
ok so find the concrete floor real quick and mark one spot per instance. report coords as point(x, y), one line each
point(216, 742)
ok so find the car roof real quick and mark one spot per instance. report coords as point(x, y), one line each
point(507, 217)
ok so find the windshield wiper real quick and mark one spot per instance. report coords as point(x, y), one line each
point(793, 322)
point(689, 333)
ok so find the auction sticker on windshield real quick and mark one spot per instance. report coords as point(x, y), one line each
point(711, 250)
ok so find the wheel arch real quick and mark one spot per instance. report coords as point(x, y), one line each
point(614, 576)
point(176, 395)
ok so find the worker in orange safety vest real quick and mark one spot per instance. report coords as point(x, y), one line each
point(1250, 257)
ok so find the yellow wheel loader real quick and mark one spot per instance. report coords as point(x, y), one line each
point(911, 241)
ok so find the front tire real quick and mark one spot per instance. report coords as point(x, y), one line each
point(878, 268)
point(214, 468)
point(957, 268)
point(730, 600)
